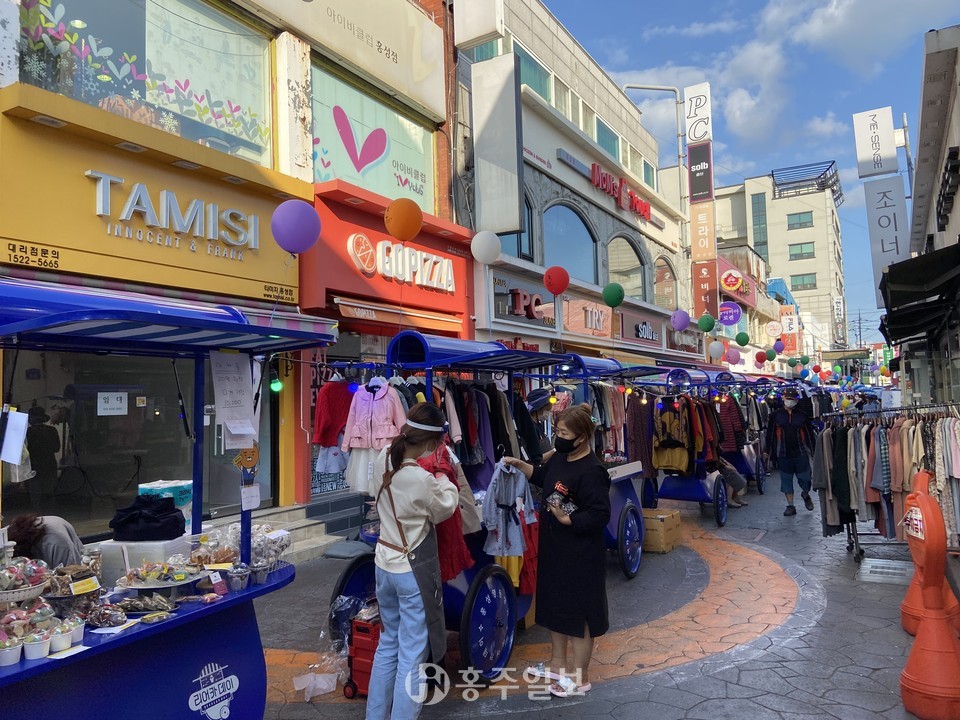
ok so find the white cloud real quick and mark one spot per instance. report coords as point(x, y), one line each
point(839, 28)
point(826, 126)
point(731, 169)
point(853, 197)
point(697, 29)
point(754, 80)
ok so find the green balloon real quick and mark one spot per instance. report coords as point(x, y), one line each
point(743, 339)
point(837, 369)
point(706, 322)
point(613, 295)
point(805, 360)
point(771, 354)
point(792, 362)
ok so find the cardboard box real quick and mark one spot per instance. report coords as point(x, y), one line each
point(661, 532)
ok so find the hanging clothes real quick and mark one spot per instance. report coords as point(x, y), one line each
point(375, 418)
point(531, 535)
point(452, 550)
point(671, 435)
point(732, 424)
point(639, 429)
point(500, 513)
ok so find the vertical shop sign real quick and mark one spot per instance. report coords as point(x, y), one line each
point(697, 113)
point(703, 242)
point(887, 224)
point(705, 296)
point(700, 172)
point(876, 142)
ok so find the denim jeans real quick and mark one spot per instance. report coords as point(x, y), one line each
point(395, 688)
point(799, 466)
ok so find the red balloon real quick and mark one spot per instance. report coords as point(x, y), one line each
point(556, 280)
point(817, 369)
point(824, 375)
point(761, 357)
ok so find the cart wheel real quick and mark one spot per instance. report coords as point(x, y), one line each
point(350, 689)
point(630, 540)
point(857, 558)
point(489, 623)
point(720, 501)
point(358, 579)
point(849, 547)
point(760, 474)
point(650, 498)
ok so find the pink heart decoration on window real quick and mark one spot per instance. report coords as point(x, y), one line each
point(374, 147)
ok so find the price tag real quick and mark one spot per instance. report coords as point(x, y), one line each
point(250, 497)
point(84, 586)
point(219, 584)
point(218, 566)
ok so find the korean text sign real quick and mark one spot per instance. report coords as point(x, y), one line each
point(887, 222)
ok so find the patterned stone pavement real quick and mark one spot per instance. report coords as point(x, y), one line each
point(762, 619)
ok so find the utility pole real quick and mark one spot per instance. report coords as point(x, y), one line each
point(859, 329)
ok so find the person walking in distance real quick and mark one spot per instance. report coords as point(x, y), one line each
point(790, 442)
point(43, 444)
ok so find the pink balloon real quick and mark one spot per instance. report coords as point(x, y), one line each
point(733, 356)
point(758, 365)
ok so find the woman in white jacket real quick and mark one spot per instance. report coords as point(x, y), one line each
point(409, 500)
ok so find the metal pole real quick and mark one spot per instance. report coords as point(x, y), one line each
point(198, 402)
point(906, 147)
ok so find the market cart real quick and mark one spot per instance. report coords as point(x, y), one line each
point(205, 658)
point(480, 604)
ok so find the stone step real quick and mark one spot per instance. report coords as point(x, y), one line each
point(309, 549)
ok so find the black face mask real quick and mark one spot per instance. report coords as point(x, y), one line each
point(564, 446)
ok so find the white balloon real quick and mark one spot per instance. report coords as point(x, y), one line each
point(716, 349)
point(485, 247)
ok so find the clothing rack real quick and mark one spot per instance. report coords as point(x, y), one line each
point(902, 409)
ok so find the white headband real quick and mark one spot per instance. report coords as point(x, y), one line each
point(428, 428)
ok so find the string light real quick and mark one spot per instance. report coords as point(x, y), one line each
point(629, 391)
point(643, 399)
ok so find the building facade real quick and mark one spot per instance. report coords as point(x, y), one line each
point(586, 198)
point(176, 128)
point(790, 219)
point(921, 294)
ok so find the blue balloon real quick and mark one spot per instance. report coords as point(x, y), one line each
point(804, 373)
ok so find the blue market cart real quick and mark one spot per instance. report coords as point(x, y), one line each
point(206, 657)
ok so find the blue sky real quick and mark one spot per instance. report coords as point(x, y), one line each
point(786, 77)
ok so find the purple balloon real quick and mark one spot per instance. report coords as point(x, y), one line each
point(733, 356)
point(874, 367)
point(295, 226)
point(778, 346)
point(680, 320)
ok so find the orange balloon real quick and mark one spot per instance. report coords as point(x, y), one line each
point(403, 219)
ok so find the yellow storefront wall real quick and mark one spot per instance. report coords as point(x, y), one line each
point(74, 203)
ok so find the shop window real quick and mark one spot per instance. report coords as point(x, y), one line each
point(758, 207)
point(574, 108)
point(519, 245)
point(664, 284)
point(608, 139)
point(636, 161)
point(649, 175)
point(626, 267)
point(364, 141)
point(802, 251)
point(104, 456)
point(561, 97)
point(796, 221)
point(181, 66)
point(567, 242)
point(806, 281)
point(588, 121)
point(533, 74)
point(485, 51)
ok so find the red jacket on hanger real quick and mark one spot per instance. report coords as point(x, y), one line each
point(330, 418)
point(452, 549)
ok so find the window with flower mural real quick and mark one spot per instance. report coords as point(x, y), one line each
point(179, 65)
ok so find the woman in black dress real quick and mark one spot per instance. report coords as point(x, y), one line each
point(571, 577)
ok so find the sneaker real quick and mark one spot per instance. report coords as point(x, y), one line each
point(807, 501)
point(791, 510)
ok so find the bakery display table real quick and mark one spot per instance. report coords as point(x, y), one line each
point(205, 662)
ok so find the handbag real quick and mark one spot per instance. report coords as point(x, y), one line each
point(149, 517)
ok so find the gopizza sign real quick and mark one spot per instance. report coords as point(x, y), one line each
point(405, 264)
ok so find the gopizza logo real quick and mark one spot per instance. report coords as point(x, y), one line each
point(215, 693)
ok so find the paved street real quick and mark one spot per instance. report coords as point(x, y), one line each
point(762, 619)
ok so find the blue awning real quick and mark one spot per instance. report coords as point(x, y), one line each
point(43, 316)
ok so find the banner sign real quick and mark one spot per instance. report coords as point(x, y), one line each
point(705, 296)
point(887, 224)
point(703, 241)
point(876, 144)
point(700, 172)
point(697, 112)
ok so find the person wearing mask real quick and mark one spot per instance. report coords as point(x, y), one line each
point(572, 555)
point(43, 444)
point(790, 439)
point(410, 501)
point(48, 538)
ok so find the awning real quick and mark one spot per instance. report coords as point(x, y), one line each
point(43, 316)
point(386, 314)
point(935, 274)
point(911, 322)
